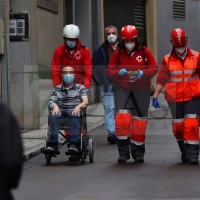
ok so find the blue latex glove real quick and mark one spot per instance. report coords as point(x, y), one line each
point(155, 103)
point(140, 74)
point(122, 72)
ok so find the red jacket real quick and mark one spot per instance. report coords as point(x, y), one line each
point(132, 63)
point(80, 60)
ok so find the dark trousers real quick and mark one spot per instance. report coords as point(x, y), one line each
point(179, 110)
point(137, 102)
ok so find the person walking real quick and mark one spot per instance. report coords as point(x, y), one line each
point(74, 54)
point(11, 151)
point(100, 60)
point(179, 73)
point(131, 68)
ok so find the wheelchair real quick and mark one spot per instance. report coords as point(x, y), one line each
point(85, 144)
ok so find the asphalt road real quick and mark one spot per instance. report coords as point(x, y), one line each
point(161, 176)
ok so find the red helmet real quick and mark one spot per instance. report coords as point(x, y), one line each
point(178, 37)
point(129, 32)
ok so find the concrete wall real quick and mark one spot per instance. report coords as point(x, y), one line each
point(151, 26)
point(166, 23)
point(49, 30)
point(4, 59)
point(23, 83)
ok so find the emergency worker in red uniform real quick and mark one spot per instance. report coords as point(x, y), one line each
point(131, 68)
point(180, 74)
point(72, 53)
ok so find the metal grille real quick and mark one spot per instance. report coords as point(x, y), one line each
point(139, 16)
point(179, 9)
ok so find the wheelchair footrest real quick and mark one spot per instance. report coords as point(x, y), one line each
point(73, 153)
point(55, 152)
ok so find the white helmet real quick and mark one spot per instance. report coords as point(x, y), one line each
point(71, 31)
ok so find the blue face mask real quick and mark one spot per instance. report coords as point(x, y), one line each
point(68, 78)
point(71, 44)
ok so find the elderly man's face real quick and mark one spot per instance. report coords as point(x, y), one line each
point(111, 31)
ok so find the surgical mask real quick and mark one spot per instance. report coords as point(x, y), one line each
point(130, 45)
point(180, 50)
point(68, 78)
point(71, 44)
point(111, 38)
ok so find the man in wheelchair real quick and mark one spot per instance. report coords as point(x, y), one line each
point(65, 104)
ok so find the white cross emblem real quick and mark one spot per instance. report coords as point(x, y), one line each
point(139, 58)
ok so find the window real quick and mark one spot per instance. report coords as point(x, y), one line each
point(51, 5)
point(179, 9)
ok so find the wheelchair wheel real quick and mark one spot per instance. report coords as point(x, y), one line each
point(48, 159)
point(83, 158)
point(91, 150)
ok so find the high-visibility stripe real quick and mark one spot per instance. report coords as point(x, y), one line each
point(177, 120)
point(178, 80)
point(139, 118)
point(137, 143)
point(179, 72)
point(175, 80)
point(191, 142)
point(193, 116)
point(122, 137)
point(175, 72)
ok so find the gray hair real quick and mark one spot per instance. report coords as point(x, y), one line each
point(110, 27)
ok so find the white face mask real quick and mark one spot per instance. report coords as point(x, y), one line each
point(111, 38)
point(180, 50)
point(130, 45)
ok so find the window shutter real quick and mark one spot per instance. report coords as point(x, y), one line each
point(139, 16)
point(179, 9)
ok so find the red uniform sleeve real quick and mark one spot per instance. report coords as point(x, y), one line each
point(112, 70)
point(163, 75)
point(87, 68)
point(56, 68)
point(152, 67)
point(198, 66)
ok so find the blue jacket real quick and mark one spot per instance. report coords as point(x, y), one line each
point(100, 62)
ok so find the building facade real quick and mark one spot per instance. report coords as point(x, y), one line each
point(30, 30)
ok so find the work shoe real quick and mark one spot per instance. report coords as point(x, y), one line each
point(73, 147)
point(52, 146)
point(123, 158)
point(111, 139)
point(139, 159)
point(184, 158)
point(74, 158)
point(193, 161)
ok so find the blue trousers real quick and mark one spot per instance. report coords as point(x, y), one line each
point(109, 108)
point(72, 121)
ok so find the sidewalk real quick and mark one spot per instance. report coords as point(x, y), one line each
point(33, 141)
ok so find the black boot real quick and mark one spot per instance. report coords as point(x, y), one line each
point(182, 149)
point(123, 148)
point(192, 153)
point(137, 152)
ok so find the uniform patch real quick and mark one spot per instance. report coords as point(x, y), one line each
point(139, 58)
